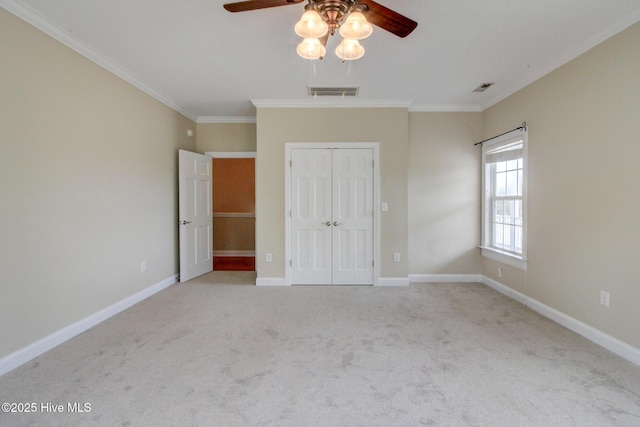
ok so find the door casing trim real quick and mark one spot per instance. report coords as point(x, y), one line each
point(288, 147)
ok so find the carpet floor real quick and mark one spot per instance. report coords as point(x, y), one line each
point(209, 354)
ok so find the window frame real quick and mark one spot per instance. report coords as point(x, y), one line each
point(518, 261)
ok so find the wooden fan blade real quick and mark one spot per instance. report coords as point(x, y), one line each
point(243, 6)
point(388, 19)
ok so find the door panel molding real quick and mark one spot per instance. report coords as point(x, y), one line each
point(357, 239)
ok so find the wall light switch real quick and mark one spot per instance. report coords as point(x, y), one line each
point(604, 298)
point(384, 206)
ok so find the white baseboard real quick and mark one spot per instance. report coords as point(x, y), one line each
point(45, 344)
point(505, 290)
point(445, 278)
point(382, 281)
point(270, 281)
point(393, 281)
point(612, 344)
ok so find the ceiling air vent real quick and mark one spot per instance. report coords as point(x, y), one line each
point(483, 87)
point(332, 91)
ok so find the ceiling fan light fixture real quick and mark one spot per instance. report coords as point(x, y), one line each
point(356, 27)
point(311, 48)
point(311, 25)
point(349, 50)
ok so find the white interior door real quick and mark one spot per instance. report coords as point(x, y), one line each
point(352, 223)
point(332, 216)
point(195, 215)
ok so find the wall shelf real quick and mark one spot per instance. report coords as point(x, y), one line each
point(234, 215)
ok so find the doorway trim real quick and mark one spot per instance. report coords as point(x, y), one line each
point(375, 147)
point(233, 155)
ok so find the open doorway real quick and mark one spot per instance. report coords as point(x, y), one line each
point(233, 211)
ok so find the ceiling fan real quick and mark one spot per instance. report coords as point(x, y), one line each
point(323, 17)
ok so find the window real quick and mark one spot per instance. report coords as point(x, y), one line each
point(504, 201)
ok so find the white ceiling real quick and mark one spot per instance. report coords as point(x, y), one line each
point(210, 64)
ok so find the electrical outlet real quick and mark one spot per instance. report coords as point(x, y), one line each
point(499, 271)
point(384, 206)
point(604, 298)
point(269, 257)
point(396, 257)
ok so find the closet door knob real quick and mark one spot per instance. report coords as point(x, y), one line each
point(336, 223)
point(328, 223)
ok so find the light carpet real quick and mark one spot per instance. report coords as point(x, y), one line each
point(208, 354)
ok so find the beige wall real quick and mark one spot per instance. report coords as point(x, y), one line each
point(276, 126)
point(444, 193)
point(584, 183)
point(226, 137)
point(88, 172)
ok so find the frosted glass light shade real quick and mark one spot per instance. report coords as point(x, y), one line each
point(349, 49)
point(356, 27)
point(311, 49)
point(311, 25)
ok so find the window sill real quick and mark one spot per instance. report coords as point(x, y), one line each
point(505, 258)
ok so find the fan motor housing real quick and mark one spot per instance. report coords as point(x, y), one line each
point(332, 11)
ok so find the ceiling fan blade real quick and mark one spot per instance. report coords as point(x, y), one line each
point(388, 19)
point(243, 6)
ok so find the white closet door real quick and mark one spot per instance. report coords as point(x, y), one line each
point(352, 217)
point(311, 216)
point(332, 216)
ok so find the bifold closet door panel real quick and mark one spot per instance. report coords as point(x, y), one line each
point(332, 216)
point(352, 217)
point(311, 244)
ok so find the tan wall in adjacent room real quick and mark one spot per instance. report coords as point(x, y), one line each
point(234, 234)
point(234, 193)
point(234, 185)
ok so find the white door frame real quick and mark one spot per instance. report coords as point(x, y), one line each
point(288, 147)
point(234, 155)
point(231, 154)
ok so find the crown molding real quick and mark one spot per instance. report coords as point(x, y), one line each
point(620, 25)
point(331, 103)
point(227, 119)
point(294, 103)
point(26, 13)
point(445, 108)
point(366, 103)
